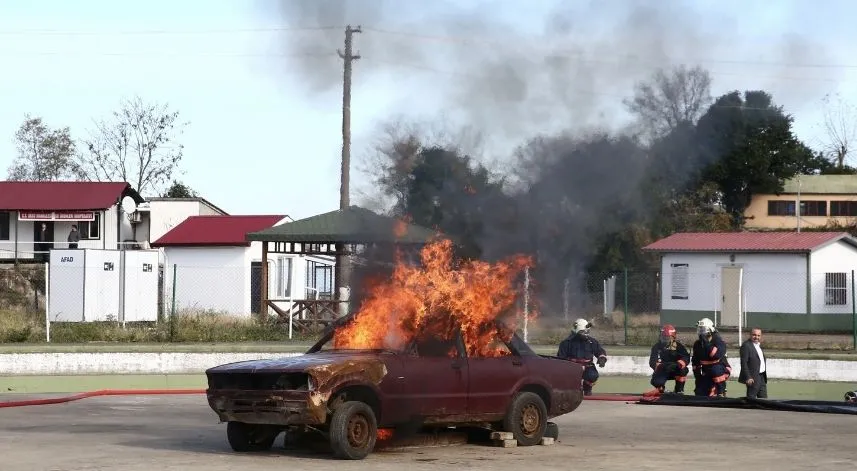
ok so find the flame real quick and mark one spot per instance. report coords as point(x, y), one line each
point(400, 228)
point(384, 434)
point(434, 300)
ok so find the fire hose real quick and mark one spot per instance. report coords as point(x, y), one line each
point(101, 392)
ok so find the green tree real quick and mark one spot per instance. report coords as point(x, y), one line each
point(751, 149)
point(44, 154)
point(179, 190)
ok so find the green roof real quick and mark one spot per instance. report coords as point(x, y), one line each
point(822, 184)
point(354, 225)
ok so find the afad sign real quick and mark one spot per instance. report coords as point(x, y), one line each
point(57, 216)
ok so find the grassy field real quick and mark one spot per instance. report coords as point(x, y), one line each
point(832, 391)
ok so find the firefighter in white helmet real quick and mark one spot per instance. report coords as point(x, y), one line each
point(580, 347)
point(711, 367)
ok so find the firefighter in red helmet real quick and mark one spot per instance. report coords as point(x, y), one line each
point(669, 359)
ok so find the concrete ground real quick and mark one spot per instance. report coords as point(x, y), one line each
point(180, 433)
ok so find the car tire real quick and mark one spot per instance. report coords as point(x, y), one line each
point(353, 430)
point(249, 437)
point(527, 419)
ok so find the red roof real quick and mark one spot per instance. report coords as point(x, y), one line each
point(220, 230)
point(62, 196)
point(747, 241)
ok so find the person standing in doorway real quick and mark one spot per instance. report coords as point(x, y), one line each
point(73, 237)
point(753, 368)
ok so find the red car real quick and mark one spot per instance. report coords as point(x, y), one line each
point(347, 395)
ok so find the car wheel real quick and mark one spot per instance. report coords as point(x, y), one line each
point(527, 419)
point(249, 437)
point(353, 430)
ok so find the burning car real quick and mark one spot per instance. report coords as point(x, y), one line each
point(430, 346)
point(348, 395)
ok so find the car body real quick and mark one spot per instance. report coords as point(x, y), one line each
point(431, 382)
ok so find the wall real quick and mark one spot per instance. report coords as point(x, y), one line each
point(167, 214)
point(772, 283)
point(215, 278)
point(197, 363)
point(757, 212)
point(840, 257)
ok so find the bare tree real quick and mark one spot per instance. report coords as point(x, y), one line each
point(44, 154)
point(138, 145)
point(840, 128)
point(670, 98)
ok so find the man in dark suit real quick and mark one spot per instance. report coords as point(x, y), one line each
point(754, 373)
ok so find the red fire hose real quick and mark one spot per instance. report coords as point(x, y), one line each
point(101, 392)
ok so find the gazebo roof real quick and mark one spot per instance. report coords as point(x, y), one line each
point(354, 225)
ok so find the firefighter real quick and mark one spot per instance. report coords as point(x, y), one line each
point(710, 364)
point(669, 359)
point(580, 347)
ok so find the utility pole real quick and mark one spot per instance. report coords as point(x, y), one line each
point(343, 269)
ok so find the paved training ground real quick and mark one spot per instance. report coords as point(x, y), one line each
point(181, 433)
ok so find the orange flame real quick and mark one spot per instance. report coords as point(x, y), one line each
point(384, 434)
point(435, 299)
point(400, 228)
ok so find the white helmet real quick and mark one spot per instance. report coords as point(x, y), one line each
point(851, 396)
point(705, 326)
point(582, 325)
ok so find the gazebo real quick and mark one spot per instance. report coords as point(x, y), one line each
point(337, 233)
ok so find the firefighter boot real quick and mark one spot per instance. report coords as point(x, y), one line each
point(587, 389)
point(679, 388)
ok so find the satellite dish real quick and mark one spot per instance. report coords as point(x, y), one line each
point(129, 205)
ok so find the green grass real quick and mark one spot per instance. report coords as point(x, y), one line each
point(777, 389)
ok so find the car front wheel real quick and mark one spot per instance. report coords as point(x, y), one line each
point(527, 419)
point(353, 430)
point(250, 437)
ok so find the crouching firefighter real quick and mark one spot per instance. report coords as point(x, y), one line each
point(709, 353)
point(669, 359)
point(582, 348)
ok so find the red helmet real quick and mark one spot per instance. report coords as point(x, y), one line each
point(668, 331)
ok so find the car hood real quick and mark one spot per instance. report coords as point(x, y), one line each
point(308, 362)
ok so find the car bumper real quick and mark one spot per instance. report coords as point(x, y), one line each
point(266, 407)
point(563, 402)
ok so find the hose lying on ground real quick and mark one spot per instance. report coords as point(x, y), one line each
point(102, 392)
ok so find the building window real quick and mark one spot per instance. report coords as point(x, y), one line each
point(835, 289)
point(781, 208)
point(284, 277)
point(680, 282)
point(843, 208)
point(813, 208)
point(90, 229)
point(319, 280)
point(5, 225)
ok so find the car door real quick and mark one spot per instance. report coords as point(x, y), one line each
point(435, 378)
point(493, 381)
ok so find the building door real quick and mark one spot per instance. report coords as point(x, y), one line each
point(730, 290)
point(255, 287)
point(43, 239)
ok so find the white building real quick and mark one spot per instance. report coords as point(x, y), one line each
point(217, 269)
point(38, 216)
point(781, 281)
point(160, 214)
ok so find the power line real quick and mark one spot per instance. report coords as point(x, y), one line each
point(150, 32)
point(572, 90)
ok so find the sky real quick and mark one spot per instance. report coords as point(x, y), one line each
point(259, 81)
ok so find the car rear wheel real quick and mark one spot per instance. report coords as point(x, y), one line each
point(353, 430)
point(527, 419)
point(250, 437)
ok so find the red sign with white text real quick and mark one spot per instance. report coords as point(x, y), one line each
point(57, 216)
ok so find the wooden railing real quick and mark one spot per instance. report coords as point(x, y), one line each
point(306, 315)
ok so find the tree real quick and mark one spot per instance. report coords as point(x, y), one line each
point(138, 145)
point(179, 190)
point(670, 98)
point(751, 149)
point(44, 154)
point(840, 128)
